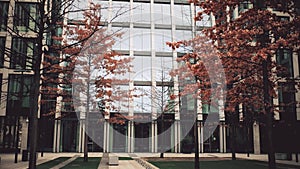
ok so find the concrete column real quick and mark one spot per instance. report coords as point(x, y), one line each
point(256, 138)
point(56, 138)
point(106, 137)
point(176, 138)
point(132, 137)
point(81, 136)
point(201, 138)
point(24, 136)
point(222, 138)
point(152, 137)
point(128, 137)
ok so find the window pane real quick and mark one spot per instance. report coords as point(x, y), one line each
point(141, 68)
point(162, 14)
point(26, 17)
point(284, 58)
point(19, 93)
point(3, 15)
point(141, 39)
point(121, 10)
point(141, 13)
point(182, 15)
point(2, 49)
point(161, 37)
point(121, 43)
point(142, 103)
point(162, 67)
point(23, 51)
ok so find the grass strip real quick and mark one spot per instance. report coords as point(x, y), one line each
point(125, 158)
point(222, 164)
point(92, 163)
point(52, 163)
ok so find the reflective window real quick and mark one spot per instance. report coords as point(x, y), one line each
point(26, 17)
point(121, 101)
point(244, 6)
point(183, 35)
point(161, 37)
point(162, 14)
point(141, 39)
point(120, 11)
point(23, 51)
point(104, 10)
point(142, 103)
point(141, 68)
point(141, 13)
point(182, 15)
point(286, 97)
point(284, 58)
point(205, 21)
point(3, 15)
point(19, 93)
point(121, 43)
point(162, 67)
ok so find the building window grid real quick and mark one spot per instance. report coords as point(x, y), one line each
point(26, 17)
point(23, 52)
point(284, 58)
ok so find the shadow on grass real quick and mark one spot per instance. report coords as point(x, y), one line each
point(222, 164)
point(92, 163)
point(52, 163)
point(125, 158)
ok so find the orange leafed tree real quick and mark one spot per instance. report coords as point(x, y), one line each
point(254, 40)
point(87, 75)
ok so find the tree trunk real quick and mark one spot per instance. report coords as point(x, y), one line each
point(269, 114)
point(233, 135)
point(196, 142)
point(35, 90)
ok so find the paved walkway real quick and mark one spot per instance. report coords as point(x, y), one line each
point(7, 160)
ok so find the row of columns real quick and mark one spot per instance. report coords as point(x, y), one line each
point(153, 142)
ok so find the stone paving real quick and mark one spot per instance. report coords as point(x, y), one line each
point(7, 160)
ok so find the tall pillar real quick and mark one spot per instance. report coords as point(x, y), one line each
point(24, 135)
point(201, 138)
point(128, 137)
point(81, 137)
point(177, 136)
point(56, 138)
point(132, 137)
point(256, 138)
point(222, 138)
point(154, 137)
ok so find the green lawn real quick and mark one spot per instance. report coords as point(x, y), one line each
point(222, 164)
point(52, 163)
point(125, 158)
point(92, 163)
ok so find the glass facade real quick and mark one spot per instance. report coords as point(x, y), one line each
point(23, 53)
point(18, 96)
point(26, 17)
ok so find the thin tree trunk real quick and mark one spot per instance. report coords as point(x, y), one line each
point(269, 114)
point(35, 90)
point(233, 135)
point(196, 145)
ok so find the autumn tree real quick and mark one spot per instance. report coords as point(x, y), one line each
point(250, 37)
point(38, 31)
point(88, 75)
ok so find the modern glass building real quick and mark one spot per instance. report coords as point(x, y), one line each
point(160, 123)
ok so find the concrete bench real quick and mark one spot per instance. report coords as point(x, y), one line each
point(113, 160)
